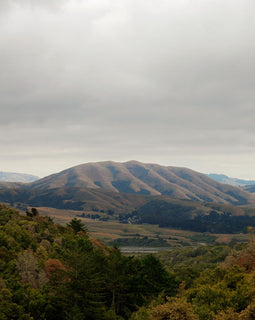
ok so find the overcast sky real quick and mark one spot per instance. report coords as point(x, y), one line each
point(169, 82)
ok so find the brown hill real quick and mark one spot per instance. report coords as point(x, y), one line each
point(72, 198)
point(99, 200)
point(147, 179)
point(11, 185)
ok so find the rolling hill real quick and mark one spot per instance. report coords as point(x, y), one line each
point(97, 200)
point(145, 179)
point(72, 198)
point(135, 209)
point(134, 192)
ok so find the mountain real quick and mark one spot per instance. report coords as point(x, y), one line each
point(17, 177)
point(222, 178)
point(139, 193)
point(145, 179)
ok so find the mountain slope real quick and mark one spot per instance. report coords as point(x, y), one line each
point(17, 177)
point(71, 198)
point(163, 211)
point(99, 200)
point(148, 179)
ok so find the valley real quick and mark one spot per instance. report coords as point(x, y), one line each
point(133, 204)
point(127, 255)
point(140, 235)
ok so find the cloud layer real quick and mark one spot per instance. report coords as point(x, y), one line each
point(158, 81)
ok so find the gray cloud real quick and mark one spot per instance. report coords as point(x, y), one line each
point(169, 82)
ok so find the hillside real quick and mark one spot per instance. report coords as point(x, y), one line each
point(163, 211)
point(148, 179)
point(17, 177)
point(12, 185)
point(71, 198)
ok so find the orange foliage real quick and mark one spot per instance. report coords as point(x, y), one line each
point(245, 259)
point(53, 267)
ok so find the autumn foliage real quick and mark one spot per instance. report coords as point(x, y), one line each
point(52, 272)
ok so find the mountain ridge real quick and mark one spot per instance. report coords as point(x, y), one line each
point(222, 178)
point(146, 179)
point(17, 177)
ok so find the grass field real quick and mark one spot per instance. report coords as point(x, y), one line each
point(110, 231)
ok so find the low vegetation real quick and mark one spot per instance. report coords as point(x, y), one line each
point(140, 242)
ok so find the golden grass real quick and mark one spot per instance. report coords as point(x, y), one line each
point(107, 231)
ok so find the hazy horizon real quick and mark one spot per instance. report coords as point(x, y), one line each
point(167, 82)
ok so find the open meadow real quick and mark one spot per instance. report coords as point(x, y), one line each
point(141, 235)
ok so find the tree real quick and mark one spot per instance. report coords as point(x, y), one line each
point(33, 213)
point(10, 310)
point(173, 309)
point(117, 278)
point(249, 312)
point(155, 279)
point(27, 266)
point(77, 226)
point(79, 294)
point(228, 314)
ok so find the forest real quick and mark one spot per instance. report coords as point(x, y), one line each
point(49, 271)
point(176, 216)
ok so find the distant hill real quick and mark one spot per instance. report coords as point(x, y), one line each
point(17, 177)
point(145, 179)
point(222, 178)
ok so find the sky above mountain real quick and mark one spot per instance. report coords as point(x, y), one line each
point(168, 82)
